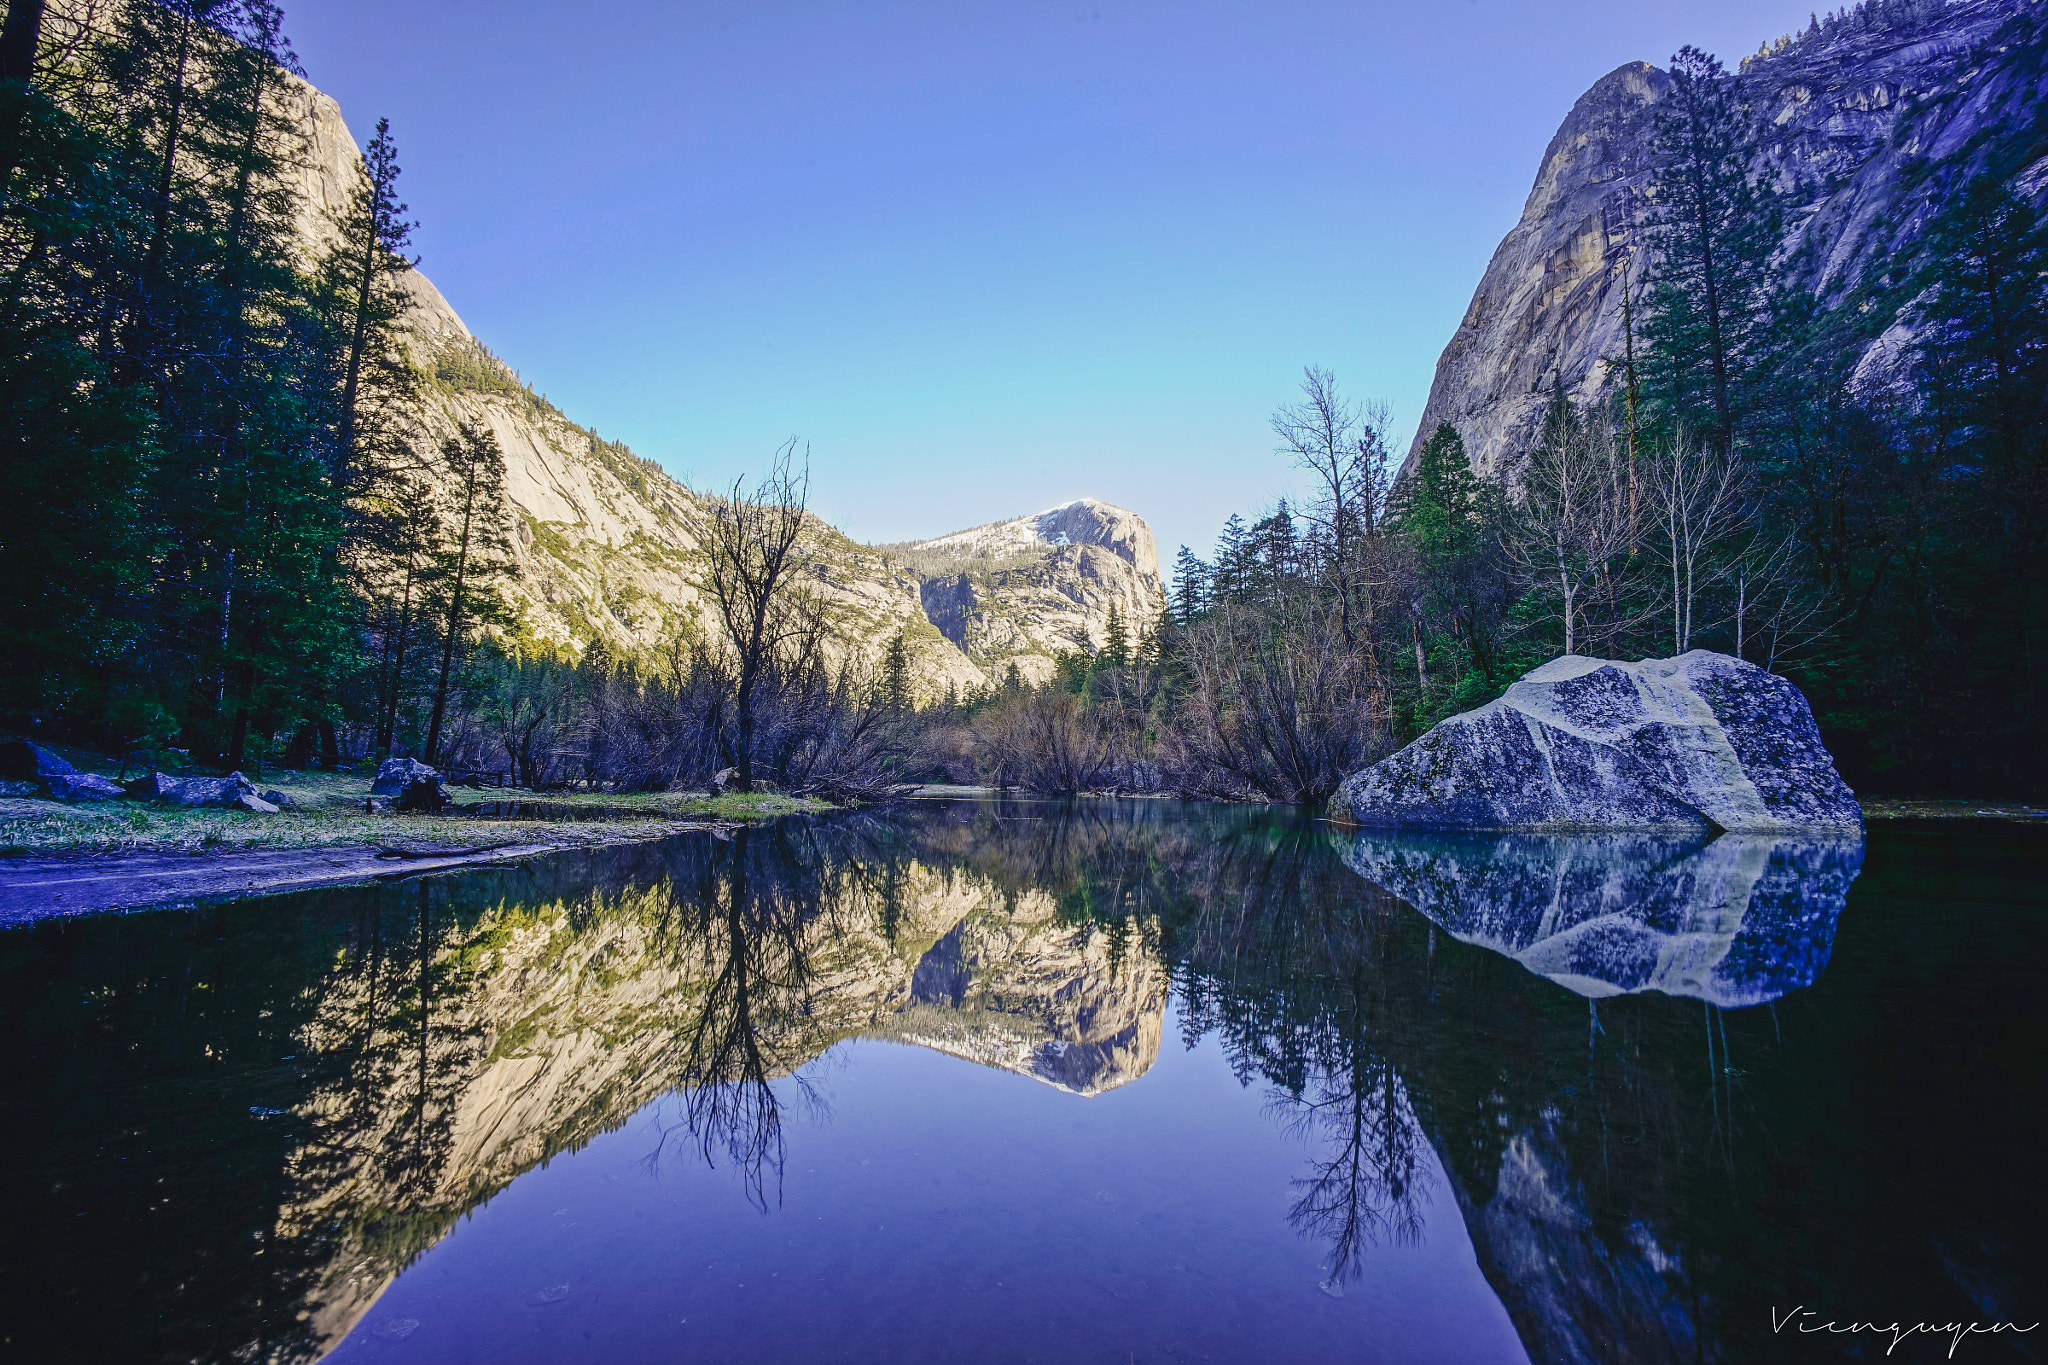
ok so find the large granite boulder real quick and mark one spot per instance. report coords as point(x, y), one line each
point(233, 792)
point(22, 761)
point(1735, 920)
point(395, 774)
point(82, 787)
point(1692, 744)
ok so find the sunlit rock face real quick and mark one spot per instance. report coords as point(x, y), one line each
point(1838, 117)
point(1736, 920)
point(1021, 591)
point(608, 547)
point(1018, 989)
point(555, 1015)
point(1696, 743)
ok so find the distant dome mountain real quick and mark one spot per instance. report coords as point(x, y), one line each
point(1020, 591)
point(1083, 521)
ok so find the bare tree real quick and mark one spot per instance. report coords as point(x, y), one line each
point(1047, 740)
point(756, 542)
point(1699, 503)
point(1276, 706)
point(1344, 447)
point(1576, 520)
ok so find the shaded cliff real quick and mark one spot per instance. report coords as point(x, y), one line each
point(1862, 126)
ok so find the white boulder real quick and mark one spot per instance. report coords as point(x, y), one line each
point(1694, 744)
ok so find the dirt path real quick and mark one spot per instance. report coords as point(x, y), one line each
point(33, 888)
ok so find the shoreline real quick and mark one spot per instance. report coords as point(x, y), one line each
point(59, 881)
point(63, 884)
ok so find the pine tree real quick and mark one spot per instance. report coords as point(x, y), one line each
point(1116, 641)
point(1152, 652)
point(1711, 232)
point(896, 688)
point(76, 541)
point(1190, 585)
point(1272, 551)
point(472, 558)
point(363, 304)
point(1231, 578)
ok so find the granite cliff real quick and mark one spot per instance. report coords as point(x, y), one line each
point(609, 547)
point(1020, 591)
point(1863, 124)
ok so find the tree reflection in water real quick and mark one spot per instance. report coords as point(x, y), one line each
point(412, 1048)
point(752, 912)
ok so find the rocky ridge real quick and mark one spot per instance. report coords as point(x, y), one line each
point(1863, 126)
point(1021, 591)
point(609, 547)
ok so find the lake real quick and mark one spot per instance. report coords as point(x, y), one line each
point(1018, 1080)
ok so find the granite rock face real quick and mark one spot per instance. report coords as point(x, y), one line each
point(1735, 921)
point(1848, 118)
point(1693, 744)
point(1020, 591)
point(82, 787)
point(233, 791)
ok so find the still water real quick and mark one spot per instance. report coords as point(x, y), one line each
point(1011, 1080)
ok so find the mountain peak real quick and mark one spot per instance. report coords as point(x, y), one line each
point(1084, 521)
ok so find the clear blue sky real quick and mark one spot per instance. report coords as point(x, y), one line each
point(983, 256)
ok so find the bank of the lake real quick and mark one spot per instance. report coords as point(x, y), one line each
point(79, 858)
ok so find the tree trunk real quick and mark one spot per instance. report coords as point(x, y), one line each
point(454, 623)
point(18, 43)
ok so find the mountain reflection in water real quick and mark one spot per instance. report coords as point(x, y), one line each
point(1735, 920)
point(251, 1119)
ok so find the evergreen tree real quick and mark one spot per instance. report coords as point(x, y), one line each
point(1711, 232)
point(363, 304)
point(76, 544)
point(1232, 576)
point(1273, 552)
point(471, 559)
point(896, 687)
point(1452, 519)
point(1116, 637)
point(1190, 585)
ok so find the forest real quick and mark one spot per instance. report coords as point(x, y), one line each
point(1878, 540)
point(226, 534)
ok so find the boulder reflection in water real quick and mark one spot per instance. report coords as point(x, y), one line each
point(1735, 920)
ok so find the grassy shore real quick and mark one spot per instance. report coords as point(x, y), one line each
point(330, 815)
point(1946, 808)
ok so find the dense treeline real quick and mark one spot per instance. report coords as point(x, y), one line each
point(1877, 538)
point(249, 515)
point(226, 529)
point(216, 489)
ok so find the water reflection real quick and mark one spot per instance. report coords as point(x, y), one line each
point(256, 1116)
point(1735, 920)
